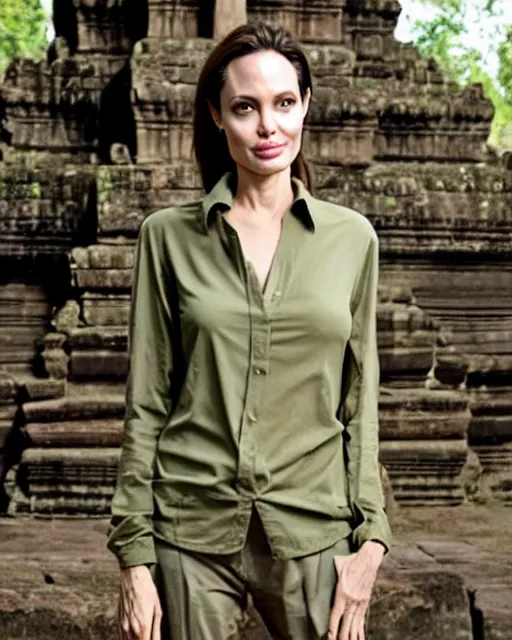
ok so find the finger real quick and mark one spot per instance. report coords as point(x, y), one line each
point(118, 620)
point(135, 627)
point(357, 624)
point(123, 621)
point(157, 619)
point(337, 611)
point(145, 630)
point(360, 627)
point(136, 631)
point(346, 623)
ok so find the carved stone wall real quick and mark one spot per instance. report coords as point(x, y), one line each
point(99, 136)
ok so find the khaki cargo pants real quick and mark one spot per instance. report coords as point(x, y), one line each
point(204, 596)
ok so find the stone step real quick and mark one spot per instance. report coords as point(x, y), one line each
point(497, 402)
point(425, 472)
point(422, 400)
point(435, 426)
point(106, 309)
point(493, 429)
point(66, 481)
point(92, 433)
point(99, 364)
point(99, 337)
point(408, 414)
point(74, 407)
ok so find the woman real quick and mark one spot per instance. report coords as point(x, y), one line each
point(250, 456)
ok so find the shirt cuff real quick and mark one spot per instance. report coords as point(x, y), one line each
point(140, 551)
point(132, 541)
point(371, 526)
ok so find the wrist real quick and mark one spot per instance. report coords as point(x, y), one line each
point(374, 548)
point(134, 568)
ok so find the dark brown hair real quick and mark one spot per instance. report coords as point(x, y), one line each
point(210, 145)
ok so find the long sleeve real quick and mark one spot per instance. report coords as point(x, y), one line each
point(148, 401)
point(359, 408)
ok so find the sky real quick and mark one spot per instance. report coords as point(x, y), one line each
point(479, 35)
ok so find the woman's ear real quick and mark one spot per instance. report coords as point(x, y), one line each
point(215, 115)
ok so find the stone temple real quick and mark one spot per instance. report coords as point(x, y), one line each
point(99, 136)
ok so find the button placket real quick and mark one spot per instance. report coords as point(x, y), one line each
point(259, 366)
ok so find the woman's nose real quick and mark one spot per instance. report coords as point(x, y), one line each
point(267, 125)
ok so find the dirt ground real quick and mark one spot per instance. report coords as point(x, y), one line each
point(58, 578)
point(487, 527)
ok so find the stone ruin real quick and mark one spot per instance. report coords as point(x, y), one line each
point(99, 136)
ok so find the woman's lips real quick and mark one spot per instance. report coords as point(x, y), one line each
point(267, 153)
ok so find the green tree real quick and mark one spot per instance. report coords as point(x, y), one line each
point(445, 38)
point(22, 30)
point(505, 79)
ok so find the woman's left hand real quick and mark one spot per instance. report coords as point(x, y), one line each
point(356, 576)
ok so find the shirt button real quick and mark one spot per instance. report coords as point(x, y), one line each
point(252, 416)
point(258, 371)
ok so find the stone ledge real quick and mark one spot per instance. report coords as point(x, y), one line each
point(58, 578)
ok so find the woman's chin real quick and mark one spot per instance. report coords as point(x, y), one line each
point(267, 167)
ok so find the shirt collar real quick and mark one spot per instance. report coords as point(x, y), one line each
point(220, 199)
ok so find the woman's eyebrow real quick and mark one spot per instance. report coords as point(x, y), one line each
point(281, 94)
point(243, 97)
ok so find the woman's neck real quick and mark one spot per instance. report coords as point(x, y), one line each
point(263, 197)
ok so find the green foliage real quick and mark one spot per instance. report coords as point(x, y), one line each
point(505, 70)
point(445, 38)
point(22, 30)
point(505, 80)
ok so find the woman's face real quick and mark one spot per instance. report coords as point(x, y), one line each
point(261, 112)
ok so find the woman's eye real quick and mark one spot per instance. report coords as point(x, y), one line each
point(287, 102)
point(243, 107)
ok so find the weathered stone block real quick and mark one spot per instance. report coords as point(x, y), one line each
point(98, 365)
point(112, 338)
point(178, 19)
point(101, 27)
point(106, 310)
point(92, 433)
point(425, 471)
point(331, 65)
point(97, 403)
point(419, 414)
point(312, 21)
point(227, 15)
point(76, 480)
point(102, 256)
point(103, 278)
point(29, 219)
point(32, 388)
point(56, 107)
point(411, 609)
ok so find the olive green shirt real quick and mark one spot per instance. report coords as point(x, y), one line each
point(241, 398)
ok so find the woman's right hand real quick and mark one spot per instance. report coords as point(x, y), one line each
point(140, 612)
